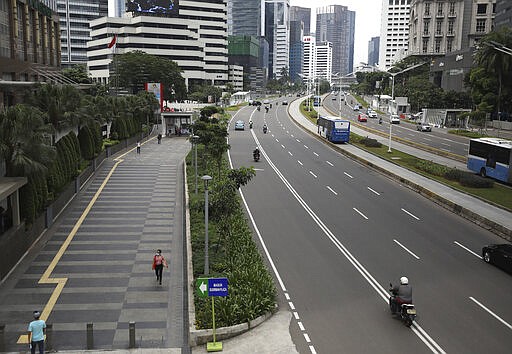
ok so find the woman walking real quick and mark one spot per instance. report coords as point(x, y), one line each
point(158, 265)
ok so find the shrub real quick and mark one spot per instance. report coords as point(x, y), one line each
point(453, 174)
point(431, 168)
point(469, 179)
point(369, 142)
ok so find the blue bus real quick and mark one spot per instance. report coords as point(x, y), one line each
point(334, 129)
point(491, 157)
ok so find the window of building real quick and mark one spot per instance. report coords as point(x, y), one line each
point(451, 8)
point(425, 45)
point(440, 8)
point(439, 24)
point(481, 9)
point(450, 26)
point(437, 47)
point(426, 25)
point(480, 25)
point(427, 8)
point(449, 44)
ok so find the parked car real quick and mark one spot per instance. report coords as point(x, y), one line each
point(372, 114)
point(499, 255)
point(266, 102)
point(394, 119)
point(423, 127)
point(362, 118)
point(284, 103)
point(240, 125)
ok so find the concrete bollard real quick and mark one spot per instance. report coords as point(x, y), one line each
point(2, 338)
point(90, 336)
point(131, 329)
point(49, 337)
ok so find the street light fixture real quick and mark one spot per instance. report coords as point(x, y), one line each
point(195, 139)
point(206, 179)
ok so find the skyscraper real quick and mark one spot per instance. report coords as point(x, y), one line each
point(336, 24)
point(394, 30)
point(503, 13)
point(373, 51)
point(74, 17)
point(303, 14)
point(244, 17)
point(296, 49)
point(276, 20)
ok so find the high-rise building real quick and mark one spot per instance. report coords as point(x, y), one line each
point(373, 51)
point(119, 8)
point(441, 27)
point(309, 60)
point(244, 51)
point(195, 38)
point(503, 14)
point(336, 24)
point(323, 54)
point(394, 30)
point(276, 26)
point(29, 46)
point(74, 17)
point(303, 14)
point(244, 17)
point(296, 49)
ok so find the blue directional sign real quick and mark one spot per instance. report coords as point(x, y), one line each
point(212, 286)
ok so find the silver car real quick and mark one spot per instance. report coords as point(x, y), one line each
point(423, 127)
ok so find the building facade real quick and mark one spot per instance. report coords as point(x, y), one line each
point(29, 45)
point(336, 24)
point(196, 39)
point(244, 51)
point(394, 30)
point(74, 17)
point(323, 54)
point(244, 17)
point(309, 59)
point(503, 14)
point(296, 49)
point(276, 19)
point(373, 51)
point(303, 14)
point(236, 77)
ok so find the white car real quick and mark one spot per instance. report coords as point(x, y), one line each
point(394, 119)
point(423, 127)
point(372, 114)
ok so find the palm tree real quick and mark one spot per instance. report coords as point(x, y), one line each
point(24, 144)
point(495, 61)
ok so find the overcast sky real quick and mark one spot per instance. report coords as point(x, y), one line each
point(367, 21)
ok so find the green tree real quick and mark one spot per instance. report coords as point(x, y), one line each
point(78, 73)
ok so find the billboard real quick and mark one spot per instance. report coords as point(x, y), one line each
point(157, 7)
point(157, 89)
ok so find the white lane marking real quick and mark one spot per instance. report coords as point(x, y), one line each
point(307, 338)
point(290, 153)
point(364, 216)
point(306, 146)
point(467, 249)
point(445, 144)
point(277, 140)
point(296, 315)
point(314, 153)
point(427, 139)
point(379, 289)
point(312, 349)
point(405, 248)
point(313, 174)
point(490, 312)
point(298, 140)
point(329, 163)
point(374, 191)
point(446, 139)
point(300, 163)
point(348, 175)
point(301, 326)
point(259, 169)
point(291, 305)
point(287, 132)
point(414, 216)
point(292, 136)
point(332, 190)
point(287, 296)
point(283, 146)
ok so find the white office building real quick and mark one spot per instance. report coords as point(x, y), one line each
point(394, 30)
point(324, 60)
point(196, 39)
point(309, 60)
point(276, 27)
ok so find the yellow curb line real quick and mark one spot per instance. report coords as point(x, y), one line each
point(61, 282)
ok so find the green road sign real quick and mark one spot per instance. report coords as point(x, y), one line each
point(202, 287)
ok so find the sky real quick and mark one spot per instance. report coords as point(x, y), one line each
point(367, 21)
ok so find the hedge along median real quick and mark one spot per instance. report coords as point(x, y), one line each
point(232, 251)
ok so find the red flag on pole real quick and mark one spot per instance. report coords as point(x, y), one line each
point(112, 43)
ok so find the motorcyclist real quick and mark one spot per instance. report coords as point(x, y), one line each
point(256, 153)
point(402, 294)
point(258, 108)
point(265, 128)
point(266, 109)
point(250, 124)
point(380, 120)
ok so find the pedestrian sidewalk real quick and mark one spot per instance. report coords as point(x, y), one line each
point(488, 216)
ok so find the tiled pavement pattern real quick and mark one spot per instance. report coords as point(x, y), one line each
point(108, 261)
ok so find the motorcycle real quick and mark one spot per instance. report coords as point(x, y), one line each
point(259, 108)
point(264, 130)
point(256, 156)
point(266, 109)
point(250, 125)
point(380, 120)
point(407, 312)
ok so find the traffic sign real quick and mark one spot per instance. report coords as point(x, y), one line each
point(212, 287)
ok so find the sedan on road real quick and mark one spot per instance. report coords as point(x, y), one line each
point(423, 127)
point(285, 103)
point(362, 118)
point(239, 125)
point(372, 114)
point(394, 119)
point(499, 255)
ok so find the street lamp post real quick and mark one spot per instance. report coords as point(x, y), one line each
point(206, 179)
point(194, 141)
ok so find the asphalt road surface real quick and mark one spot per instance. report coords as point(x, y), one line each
point(437, 138)
point(338, 233)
